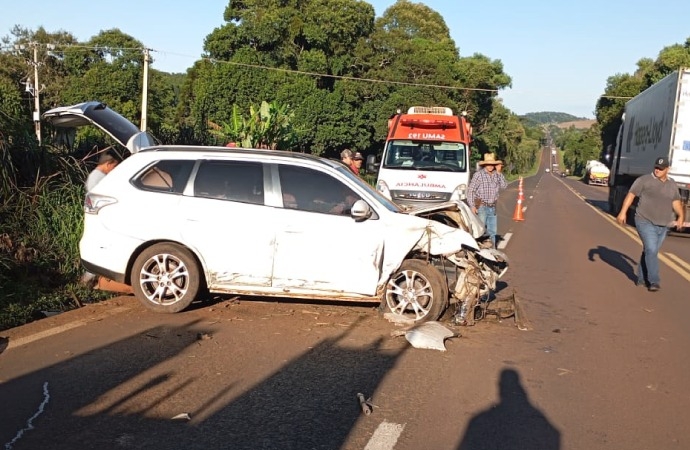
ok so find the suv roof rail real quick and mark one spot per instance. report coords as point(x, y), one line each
point(236, 150)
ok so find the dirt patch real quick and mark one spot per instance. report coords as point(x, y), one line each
point(579, 124)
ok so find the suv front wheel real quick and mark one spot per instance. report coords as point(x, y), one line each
point(165, 278)
point(416, 291)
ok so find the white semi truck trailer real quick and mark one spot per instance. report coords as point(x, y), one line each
point(655, 123)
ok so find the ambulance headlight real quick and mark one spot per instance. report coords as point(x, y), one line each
point(382, 187)
point(459, 193)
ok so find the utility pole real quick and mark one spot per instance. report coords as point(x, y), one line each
point(145, 94)
point(37, 90)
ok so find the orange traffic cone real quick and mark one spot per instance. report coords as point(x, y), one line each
point(517, 215)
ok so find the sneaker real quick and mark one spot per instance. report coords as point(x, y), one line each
point(654, 287)
point(640, 283)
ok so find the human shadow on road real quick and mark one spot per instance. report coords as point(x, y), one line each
point(615, 259)
point(513, 424)
point(168, 387)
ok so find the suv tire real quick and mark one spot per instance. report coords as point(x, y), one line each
point(416, 291)
point(166, 278)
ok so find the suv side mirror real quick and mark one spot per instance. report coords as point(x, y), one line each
point(372, 167)
point(360, 211)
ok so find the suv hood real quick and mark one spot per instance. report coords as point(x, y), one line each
point(458, 212)
point(96, 113)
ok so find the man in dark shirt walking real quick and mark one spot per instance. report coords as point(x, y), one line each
point(658, 199)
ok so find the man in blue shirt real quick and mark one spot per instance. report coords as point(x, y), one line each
point(483, 192)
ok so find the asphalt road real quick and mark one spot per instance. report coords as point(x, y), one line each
point(603, 365)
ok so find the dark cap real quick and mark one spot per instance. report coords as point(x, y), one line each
point(661, 162)
point(358, 155)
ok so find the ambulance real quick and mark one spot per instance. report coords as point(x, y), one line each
point(426, 158)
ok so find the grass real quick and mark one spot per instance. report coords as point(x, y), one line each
point(40, 228)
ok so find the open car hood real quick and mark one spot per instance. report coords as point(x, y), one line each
point(96, 113)
point(457, 212)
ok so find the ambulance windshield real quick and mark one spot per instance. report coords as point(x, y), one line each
point(425, 155)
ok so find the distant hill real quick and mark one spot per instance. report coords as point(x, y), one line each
point(547, 117)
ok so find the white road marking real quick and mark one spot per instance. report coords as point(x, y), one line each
point(385, 436)
point(29, 423)
point(504, 241)
point(56, 330)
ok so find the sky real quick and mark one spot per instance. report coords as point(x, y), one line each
point(558, 54)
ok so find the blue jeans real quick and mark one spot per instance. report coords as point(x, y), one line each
point(652, 237)
point(487, 214)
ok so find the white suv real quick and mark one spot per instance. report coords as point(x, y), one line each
point(177, 222)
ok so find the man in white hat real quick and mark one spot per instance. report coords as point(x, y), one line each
point(483, 192)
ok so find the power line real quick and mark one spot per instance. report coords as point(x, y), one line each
point(277, 69)
point(344, 77)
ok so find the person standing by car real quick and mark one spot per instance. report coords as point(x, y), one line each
point(346, 156)
point(658, 198)
point(482, 194)
point(357, 159)
point(106, 162)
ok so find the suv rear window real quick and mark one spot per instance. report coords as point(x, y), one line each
point(166, 176)
point(238, 181)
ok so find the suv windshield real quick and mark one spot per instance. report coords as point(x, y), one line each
point(389, 205)
point(425, 155)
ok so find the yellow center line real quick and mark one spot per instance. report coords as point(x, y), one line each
point(678, 260)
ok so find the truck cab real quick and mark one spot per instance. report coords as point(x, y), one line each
point(425, 159)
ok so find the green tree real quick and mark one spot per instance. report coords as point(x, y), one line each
point(410, 44)
point(269, 126)
point(621, 87)
point(580, 146)
point(507, 136)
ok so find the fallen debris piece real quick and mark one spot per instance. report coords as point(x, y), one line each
point(182, 416)
point(521, 321)
point(364, 404)
point(105, 284)
point(430, 335)
point(203, 336)
point(394, 318)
